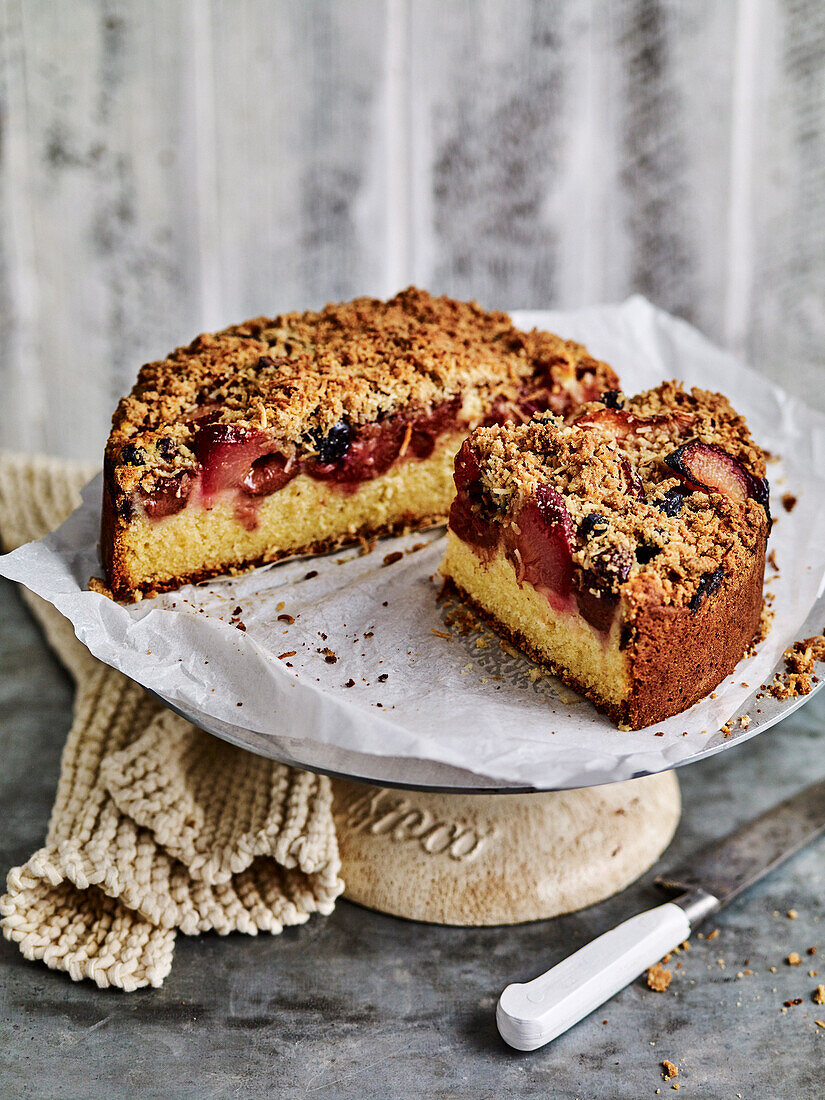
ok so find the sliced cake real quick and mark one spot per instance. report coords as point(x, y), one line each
point(624, 549)
point(301, 433)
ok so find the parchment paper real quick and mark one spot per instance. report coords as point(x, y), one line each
point(415, 693)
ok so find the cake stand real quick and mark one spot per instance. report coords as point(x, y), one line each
point(427, 841)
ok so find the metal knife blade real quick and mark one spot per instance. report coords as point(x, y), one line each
point(739, 860)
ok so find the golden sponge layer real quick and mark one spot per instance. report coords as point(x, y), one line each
point(565, 642)
point(305, 515)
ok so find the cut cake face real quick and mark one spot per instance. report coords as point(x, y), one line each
point(624, 549)
point(308, 431)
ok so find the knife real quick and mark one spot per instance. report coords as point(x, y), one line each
point(533, 1013)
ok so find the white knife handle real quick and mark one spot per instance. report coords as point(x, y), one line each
point(531, 1014)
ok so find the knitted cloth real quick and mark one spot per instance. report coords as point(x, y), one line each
point(157, 826)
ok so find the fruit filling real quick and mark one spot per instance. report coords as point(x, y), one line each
point(538, 542)
point(248, 464)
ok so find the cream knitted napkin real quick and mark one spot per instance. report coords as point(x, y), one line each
point(156, 827)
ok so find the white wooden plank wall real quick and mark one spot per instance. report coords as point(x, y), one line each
point(168, 166)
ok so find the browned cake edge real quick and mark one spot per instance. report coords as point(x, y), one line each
point(678, 656)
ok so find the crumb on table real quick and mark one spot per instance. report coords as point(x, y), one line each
point(659, 978)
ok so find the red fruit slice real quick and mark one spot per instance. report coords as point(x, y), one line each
point(466, 520)
point(620, 423)
point(168, 498)
point(371, 452)
point(374, 448)
point(470, 525)
point(708, 468)
point(268, 474)
point(598, 610)
point(226, 453)
point(617, 422)
point(467, 470)
point(425, 429)
point(540, 549)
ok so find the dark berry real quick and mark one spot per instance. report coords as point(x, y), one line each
point(670, 503)
point(612, 567)
point(334, 445)
point(708, 584)
point(613, 399)
point(594, 524)
point(646, 553)
point(133, 455)
point(265, 363)
point(166, 449)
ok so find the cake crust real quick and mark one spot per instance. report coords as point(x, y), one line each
point(646, 580)
point(622, 478)
point(709, 641)
point(301, 390)
point(297, 375)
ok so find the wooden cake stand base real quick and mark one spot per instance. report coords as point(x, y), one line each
point(476, 859)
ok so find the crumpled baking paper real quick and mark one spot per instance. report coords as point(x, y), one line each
point(341, 662)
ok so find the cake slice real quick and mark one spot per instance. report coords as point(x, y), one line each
point(624, 550)
point(302, 433)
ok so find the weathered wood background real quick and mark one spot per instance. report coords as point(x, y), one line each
point(169, 166)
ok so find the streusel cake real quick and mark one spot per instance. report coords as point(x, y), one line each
point(301, 433)
point(624, 549)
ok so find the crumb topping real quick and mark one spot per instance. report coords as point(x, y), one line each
point(636, 527)
point(299, 375)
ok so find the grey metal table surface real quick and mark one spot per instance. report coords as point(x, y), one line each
point(364, 1005)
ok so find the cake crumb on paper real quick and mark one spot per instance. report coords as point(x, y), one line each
point(788, 502)
point(800, 662)
point(793, 959)
point(819, 995)
point(670, 1069)
point(96, 585)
